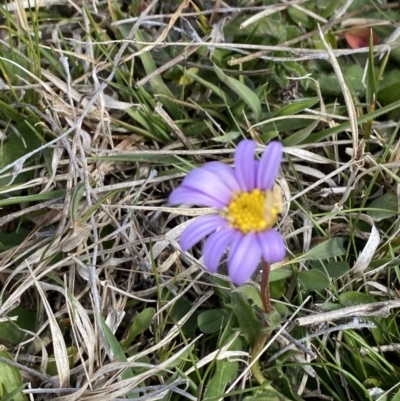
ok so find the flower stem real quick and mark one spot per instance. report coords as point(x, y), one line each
point(258, 346)
point(265, 287)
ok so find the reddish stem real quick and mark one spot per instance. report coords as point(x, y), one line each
point(265, 287)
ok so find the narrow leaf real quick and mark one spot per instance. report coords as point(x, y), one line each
point(77, 194)
point(157, 83)
point(328, 249)
point(141, 323)
point(116, 349)
point(296, 107)
point(245, 93)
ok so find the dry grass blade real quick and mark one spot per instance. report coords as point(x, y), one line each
point(365, 257)
point(346, 93)
point(60, 349)
point(379, 309)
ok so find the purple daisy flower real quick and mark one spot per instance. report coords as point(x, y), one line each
point(248, 205)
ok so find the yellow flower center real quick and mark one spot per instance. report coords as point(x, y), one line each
point(254, 211)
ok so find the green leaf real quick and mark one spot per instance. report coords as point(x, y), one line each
point(14, 147)
point(329, 37)
point(385, 261)
point(334, 269)
point(211, 321)
point(77, 194)
point(313, 280)
point(300, 135)
point(141, 323)
point(277, 290)
point(10, 331)
point(294, 69)
point(326, 9)
point(225, 371)
point(250, 326)
point(52, 366)
point(229, 136)
point(331, 248)
point(215, 89)
point(396, 397)
point(296, 107)
point(314, 138)
point(268, 393)
point(181, 307)
point(252, 293)
point(352, 298)
point(266, 27)
point(245, 93)
point(12, 239)
point(389, 94)
point(300, 17)
point(329, 83)
point(157, 83)
point(280, 274)
point(385, 206)
point(116, 350)
point(10, 379)
point(58, 193)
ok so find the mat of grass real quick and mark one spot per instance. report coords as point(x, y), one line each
point(105, 107)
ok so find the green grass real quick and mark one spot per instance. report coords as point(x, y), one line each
point(101, 116)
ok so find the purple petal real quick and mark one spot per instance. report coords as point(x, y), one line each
point(193, 197)
point(208, 182)
point(200, 228)
point(243, 259)
point(215, 246)
point(272, 246)
point(245, 170)
point(256, 168)
point(225, 173)
point(269, 166)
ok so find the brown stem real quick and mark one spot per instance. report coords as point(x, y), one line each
point(265, 287)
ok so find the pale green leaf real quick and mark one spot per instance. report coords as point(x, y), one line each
point(10, 378)
point(141, 323)
point(396, 397)
point(384, 206)
point(252, 293)
point(328, 249)
point(313, 280)
point(280, 274)
point(116, 349)
point(245, 93)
